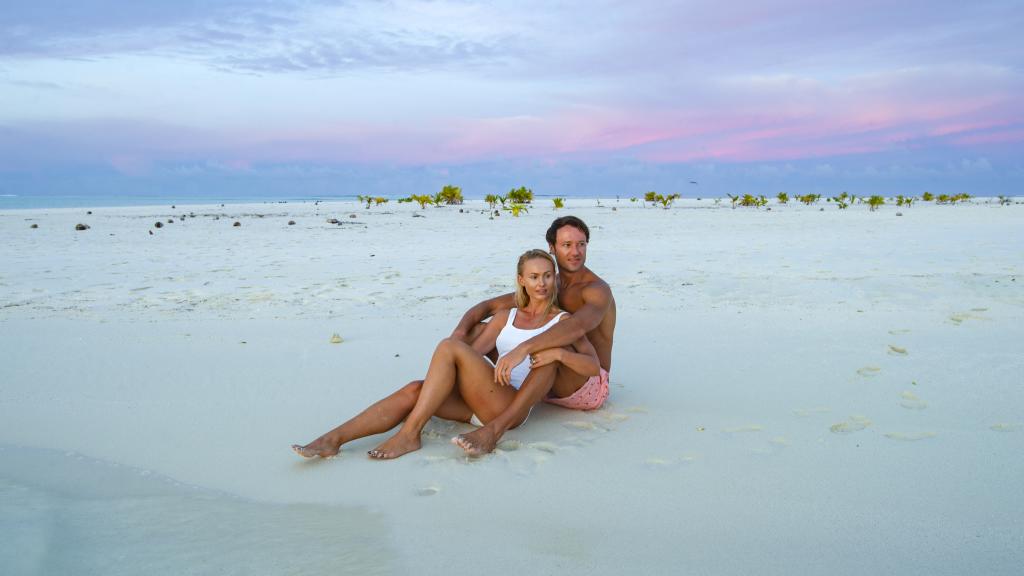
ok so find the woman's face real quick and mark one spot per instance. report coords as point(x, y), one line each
point(538, 278)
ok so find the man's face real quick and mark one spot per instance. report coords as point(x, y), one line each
point(570, 248)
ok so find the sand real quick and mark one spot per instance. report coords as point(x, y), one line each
point(793, 391)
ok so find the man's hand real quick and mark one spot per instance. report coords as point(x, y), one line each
point(545, 357)
point(503, 369)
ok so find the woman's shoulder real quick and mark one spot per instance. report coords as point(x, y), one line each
point(557, 312)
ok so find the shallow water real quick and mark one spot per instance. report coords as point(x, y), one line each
point(61, 513)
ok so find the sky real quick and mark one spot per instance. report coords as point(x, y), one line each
point(598, 98)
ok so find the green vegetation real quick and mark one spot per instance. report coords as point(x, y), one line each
point(733, 199)
point(782, 197)
point(666, 201)
point(521, 195)
point(516, 208)
point(927, 197)
point(559, 202)
point(809, 199)
point(651, 197)
point(448, 195)
point(902, 200)
point(1004, 201)
point(875, 201)
point(422, 200)
point(750, 200)
point(633, 199)
point(405, 200)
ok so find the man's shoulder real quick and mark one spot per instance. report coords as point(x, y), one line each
point(595, 284)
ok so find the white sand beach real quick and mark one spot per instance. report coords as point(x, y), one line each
point(794, 391)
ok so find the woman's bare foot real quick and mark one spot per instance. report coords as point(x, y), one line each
point(320, 447)
point(395, 446)
point(478, 442)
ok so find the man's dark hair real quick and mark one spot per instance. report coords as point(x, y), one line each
point(566, 221)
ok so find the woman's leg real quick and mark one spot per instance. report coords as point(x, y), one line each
point(380, 417)
point(456, 369)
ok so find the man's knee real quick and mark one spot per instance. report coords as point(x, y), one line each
point(411, 391)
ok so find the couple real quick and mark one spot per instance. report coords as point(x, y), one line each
point(553, 339)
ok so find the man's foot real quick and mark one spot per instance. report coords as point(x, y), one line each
point(478, 442)
point(394, 447)
point(319, 447)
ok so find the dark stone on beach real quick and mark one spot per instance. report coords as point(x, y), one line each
point(237, 223)
point(34, 226)
point(496, 213)
point(150, 232)
point(81, 226)
point(460, 210)
point(291, 222)
point(158, 224)
point(415, 215)
point(351, 215)
point(333, 221)
point(821, 209)
point(769, 209)
point(899, 213)
point(614, 209)
point(170, 220)
point(172, 206)
point(89, 212)
point(396, 355)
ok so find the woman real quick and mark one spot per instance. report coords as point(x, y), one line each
point(460, 383)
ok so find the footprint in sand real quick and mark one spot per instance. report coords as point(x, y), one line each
point(637, 409)
point(658, 463)
point(897, 350)
point(910, 401)
point(854, 424)
point(910, 437)
point(743, 429)
point(547, 447)
point(868, 371)
point(613, 417)
point(583, 425)
point(428, 490)
point(1006, 427)
point(899, 331)
point(509, 445)
point(959, 317)
point(805, 412)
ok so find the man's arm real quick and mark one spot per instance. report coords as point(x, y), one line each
point(481, 311)
point(597, 299)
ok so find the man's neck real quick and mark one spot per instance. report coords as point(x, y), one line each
point(569, 278)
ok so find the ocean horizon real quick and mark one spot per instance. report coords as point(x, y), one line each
point(56, 201)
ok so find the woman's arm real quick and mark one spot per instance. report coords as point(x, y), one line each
point(481, 311)
point(484, 343)
point(581, 358)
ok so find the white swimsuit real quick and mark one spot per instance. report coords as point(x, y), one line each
point(510, 337)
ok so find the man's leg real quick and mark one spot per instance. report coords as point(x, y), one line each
point(534, 389)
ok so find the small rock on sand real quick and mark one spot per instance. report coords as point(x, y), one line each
point(237, 223)
point(81, 226)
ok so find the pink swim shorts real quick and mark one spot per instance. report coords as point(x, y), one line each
point(590, 396)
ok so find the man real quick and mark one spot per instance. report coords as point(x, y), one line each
point(589, 299)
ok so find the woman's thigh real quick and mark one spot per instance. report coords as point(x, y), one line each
point(475, 383)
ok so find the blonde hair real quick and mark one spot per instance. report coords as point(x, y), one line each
point(522, 298)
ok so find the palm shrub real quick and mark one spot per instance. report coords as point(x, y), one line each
point(448, 195)
point(521, 195)
point(558, 202)
point(875, 201)
point(782, 197)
